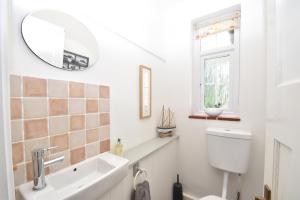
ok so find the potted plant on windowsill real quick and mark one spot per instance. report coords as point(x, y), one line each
point(214, 111)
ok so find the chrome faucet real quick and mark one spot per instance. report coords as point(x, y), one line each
point(39, 165)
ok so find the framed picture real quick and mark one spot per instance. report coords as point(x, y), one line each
point(145, 91)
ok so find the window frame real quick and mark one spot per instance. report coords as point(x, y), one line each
point(198, 75)
point(203, 58)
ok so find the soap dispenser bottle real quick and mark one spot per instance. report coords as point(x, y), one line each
point(118, 148)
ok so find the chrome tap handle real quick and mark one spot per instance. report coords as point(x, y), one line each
point(40, 152)
point(50, 148)
point(43, 150)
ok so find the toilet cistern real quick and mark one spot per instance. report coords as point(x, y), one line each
point(228, 150)
point(38, 166)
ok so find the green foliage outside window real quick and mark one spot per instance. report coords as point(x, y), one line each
point(216, 82)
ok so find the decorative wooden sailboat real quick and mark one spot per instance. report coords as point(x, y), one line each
point(166, 123)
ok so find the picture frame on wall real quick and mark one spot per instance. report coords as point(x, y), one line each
point(145, 76)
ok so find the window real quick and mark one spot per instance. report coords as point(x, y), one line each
point(216, 80)
point(216, 63)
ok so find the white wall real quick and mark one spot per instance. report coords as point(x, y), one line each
point(198, 177)
point(5, 151)
point(137, 21)
point(141, 22)
point(161, 170)
point(117, 65)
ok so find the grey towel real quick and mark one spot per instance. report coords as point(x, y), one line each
point(142, 191)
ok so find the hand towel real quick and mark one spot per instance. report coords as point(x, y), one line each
point(142, 191)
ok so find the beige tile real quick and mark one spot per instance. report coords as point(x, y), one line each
point(77, 155)
point(92, 149)
point(92, 91)
point(15, 108)
point(18, 152)
point(92, 135)
point(34, 87)
point(58, 107)
point(76, 106)
point(104, 132)
point(91, 106)
point(29, 175)
point(35, 128)
point(92, 121)
point(104, 146)
point(77, 122)
point(57, 88)
point(15, 86)
point(16, 130)
point(20, 174)
point(104, 105)
point(58, 125)
point(61, 165)
point(35, 107)
point(76, 90)
point(61, 141)
point(104, 91)
point(77, 139)
point(34, 144)
point(104, 119)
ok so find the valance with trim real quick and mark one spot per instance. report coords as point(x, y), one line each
point(230, 23)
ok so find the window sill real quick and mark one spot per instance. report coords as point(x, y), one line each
point(234, 118)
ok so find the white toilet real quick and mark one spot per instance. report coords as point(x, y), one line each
point(228, 150)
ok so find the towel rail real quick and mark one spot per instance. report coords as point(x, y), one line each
point(139, 172)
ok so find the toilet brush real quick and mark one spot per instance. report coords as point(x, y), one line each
point(177, 190)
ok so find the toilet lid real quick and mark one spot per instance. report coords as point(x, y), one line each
point(212, 197)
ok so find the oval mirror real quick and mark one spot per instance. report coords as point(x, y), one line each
point(60, 40)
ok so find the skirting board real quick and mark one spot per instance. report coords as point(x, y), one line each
point(189, 197)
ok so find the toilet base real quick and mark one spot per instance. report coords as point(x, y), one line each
point(224, 190)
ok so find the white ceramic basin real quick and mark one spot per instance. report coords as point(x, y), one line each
point(89, 179)
point(214, 112)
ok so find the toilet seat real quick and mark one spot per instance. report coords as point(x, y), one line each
point(212, 197)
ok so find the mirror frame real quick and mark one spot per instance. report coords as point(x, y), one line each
point(91, 35)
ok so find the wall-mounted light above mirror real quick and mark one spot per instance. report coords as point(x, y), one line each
point(60, 40)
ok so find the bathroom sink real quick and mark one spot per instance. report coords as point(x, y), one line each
point(89, 179)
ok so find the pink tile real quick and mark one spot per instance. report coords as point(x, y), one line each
point(35, 128)
point(77, 155)
point(104, 119)
point(104, 91)
point(34, 87)
point(15, 108)
point(58, 107)
point(76, 90)
point(77, 122)
point(18, 152)
point(104, 146)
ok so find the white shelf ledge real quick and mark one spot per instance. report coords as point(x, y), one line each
point(145, 149)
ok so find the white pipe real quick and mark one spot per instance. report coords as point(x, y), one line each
point(225, 185)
